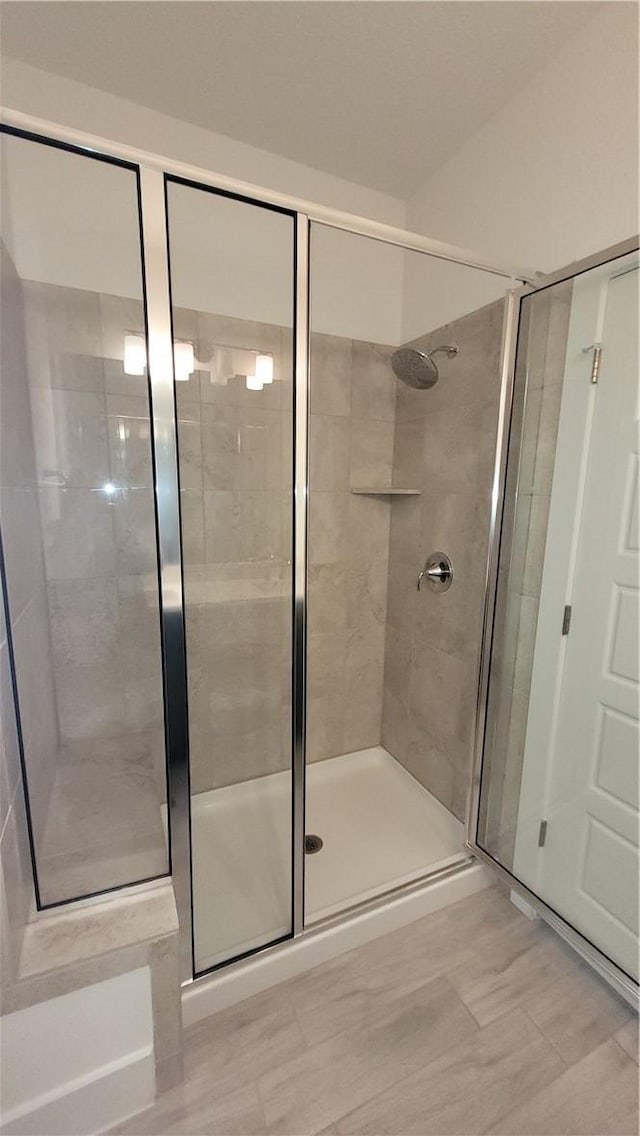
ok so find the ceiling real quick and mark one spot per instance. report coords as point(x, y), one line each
point(380, 93)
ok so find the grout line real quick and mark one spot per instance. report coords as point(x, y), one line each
point(548, 1040)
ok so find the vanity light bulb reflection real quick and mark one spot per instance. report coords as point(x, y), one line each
point(135, 358)
point(263, 375)
point(264, 368)
point(183, 361)
point(135, 355)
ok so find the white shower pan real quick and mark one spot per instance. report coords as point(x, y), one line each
point(380, 828)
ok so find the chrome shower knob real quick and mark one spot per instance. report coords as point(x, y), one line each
point(437, 572)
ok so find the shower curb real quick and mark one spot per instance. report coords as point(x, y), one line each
point(208, 995)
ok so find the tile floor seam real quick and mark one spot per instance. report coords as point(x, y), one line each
point(613, 1037)
point(604, 990)
point(366, 1022)
point(549, 1041)
point(387, 1018)
point(529, 1097)
point(366, 1028)
point(395, 1084)
point(472, 1018)
point(262, 1103)
point(610, 1036)
point(538, 948)
point(242, 1083)
point(438, 1057)
point(179, 1112)
point(374, 1020)
point(379, 968)
point(567, 1072)
point(411, 928)
point(197, 1030)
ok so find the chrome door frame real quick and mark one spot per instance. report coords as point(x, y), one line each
point(300, 533)
point(494, 610)
point(323, 214)
point(181, 800)
point(57, 140)
point(167, 491)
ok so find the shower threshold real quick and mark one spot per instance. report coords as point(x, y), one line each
point(380, 829)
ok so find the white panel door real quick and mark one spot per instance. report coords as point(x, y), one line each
point(588, 867)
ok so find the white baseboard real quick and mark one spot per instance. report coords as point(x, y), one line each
point(206, 996)
point(80, 1062)
point(93, 1105)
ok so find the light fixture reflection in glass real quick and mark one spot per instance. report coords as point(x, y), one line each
point(108, 489)
point(264, 368)
point(183, 361)
point(135, 355)
point(254, 383)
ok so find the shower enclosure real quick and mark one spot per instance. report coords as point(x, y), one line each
point(558, 781)
point(250, 519)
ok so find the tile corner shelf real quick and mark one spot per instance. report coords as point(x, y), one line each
point(373, 491)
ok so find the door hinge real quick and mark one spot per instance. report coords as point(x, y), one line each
point(595, 363)
point(566, 619)
point(542, 834)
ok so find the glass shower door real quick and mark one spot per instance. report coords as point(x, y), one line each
point(78, 519)
point(232, 278)
point(559, 789)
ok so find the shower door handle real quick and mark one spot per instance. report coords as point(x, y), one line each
point(438, 572)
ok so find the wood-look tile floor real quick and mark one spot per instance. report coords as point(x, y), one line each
point(471, 1020)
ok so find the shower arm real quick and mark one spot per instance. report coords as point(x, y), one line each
point(450, 351)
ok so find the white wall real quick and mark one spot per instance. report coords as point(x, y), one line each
point(348, 294)
point(355, 286)
point(554, 176)
point(80, 1062)
point(549, 179)
point(73, 104)
point(437, 292)
point(70, 221)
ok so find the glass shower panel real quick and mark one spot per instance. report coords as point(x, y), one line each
point(559, 789)
point(78, 520)
point(396, 473)
point(232, 294)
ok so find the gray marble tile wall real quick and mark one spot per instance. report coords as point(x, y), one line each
point(236, 482)
point(88, 659)
point(24, 567)
point(384, 664)
point(236, 465)
point(540, 369)
point(93, 453)
point(352, 407)
point(444, 446)
point(16, 881)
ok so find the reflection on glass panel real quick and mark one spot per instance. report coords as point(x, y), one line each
point(78, 521)
point(232, 291)
point(559, 795)
point(402, 446)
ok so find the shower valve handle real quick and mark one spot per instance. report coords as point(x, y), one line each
point(438, 572)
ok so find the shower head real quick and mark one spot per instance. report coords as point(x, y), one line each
point(417, 368)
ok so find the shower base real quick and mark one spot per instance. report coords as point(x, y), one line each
point(380, 828)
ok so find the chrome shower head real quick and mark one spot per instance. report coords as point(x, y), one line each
point(417, 368)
